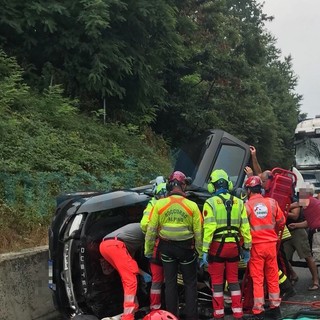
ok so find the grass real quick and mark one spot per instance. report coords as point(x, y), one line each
point(21, 230)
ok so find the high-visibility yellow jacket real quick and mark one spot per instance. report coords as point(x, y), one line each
point(146, 215)
point(215, 216)
point(174, 218)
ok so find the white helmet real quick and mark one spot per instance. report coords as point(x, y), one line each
point(158, 180)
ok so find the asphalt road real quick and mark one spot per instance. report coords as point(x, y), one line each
point(303, 300)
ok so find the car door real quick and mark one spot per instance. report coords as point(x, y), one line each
point(215, 149)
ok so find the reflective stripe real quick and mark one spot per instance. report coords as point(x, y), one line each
point(274, 299)
point(156, 285)
point(180, 237)
point(155, 307)
point(173, 229)
point(282, 277)
point(259, 300)
point(219, 311)
point(128, 310)
point(258, 304)
point(129, 298)
point(160, 211)
point(176, 201)
point(234, 222)
point(235, 293)
point(214, 209)
point(155, 291)
point(237, 310)
point(217, 294)
point(286, 233)
point(210, 219)
point(263, 227)
point(185, 263)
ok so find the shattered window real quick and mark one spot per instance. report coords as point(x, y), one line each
point(308, 152)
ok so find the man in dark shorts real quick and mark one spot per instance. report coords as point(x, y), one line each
point(299, 242)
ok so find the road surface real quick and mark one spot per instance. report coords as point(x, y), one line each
point(303, 300)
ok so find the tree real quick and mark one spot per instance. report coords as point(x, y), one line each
point(110, 49)
point(231, 78)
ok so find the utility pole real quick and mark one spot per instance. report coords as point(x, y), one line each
point(104, 110)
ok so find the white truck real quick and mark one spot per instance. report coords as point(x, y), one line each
point(307, 150)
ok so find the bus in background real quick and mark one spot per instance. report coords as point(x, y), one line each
point(307, 151)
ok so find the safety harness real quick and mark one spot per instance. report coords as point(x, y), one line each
point(232, 231)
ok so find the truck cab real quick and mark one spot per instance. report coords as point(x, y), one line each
point(307, 151)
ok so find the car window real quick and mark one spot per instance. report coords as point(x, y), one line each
point(230, 159)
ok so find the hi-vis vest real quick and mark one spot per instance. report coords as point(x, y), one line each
point(174, 218)
point(146, 213)
point(216, 221)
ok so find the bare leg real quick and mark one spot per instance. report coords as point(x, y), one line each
point(292, 273)
point(313, 269)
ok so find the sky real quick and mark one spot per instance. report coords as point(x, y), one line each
point(296, 26)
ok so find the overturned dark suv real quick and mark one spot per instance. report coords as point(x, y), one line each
point(81, 283)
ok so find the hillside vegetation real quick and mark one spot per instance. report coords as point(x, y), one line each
point(97, 94)
point(47, 148)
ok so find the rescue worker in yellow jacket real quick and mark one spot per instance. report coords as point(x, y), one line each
point(225, 221)
point(177, 222)
point(159, 190)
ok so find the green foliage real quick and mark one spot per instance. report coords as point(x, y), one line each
point(110, 49)
point(231, 78)
point(48, 147)
point(12, 89)
point(179, 66)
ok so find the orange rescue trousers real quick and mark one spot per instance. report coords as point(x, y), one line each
point(116, 253)
point(263, 266)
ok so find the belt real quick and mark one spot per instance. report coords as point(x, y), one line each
point(113, 238)
point(316, 230)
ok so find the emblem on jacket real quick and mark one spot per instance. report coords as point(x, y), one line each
point(260, 210)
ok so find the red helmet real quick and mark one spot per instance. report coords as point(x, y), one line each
point(178, 176)
point(160, 315)
point(253, 181)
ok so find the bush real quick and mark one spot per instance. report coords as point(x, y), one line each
point(47, 147)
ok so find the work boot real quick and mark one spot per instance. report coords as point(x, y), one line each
point(288, 294)
point(259, 316)
point(274, 313)
point(287, 290)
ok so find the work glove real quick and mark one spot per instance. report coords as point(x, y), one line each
point(245, 255)
point(146, 277)
point(204, 260)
